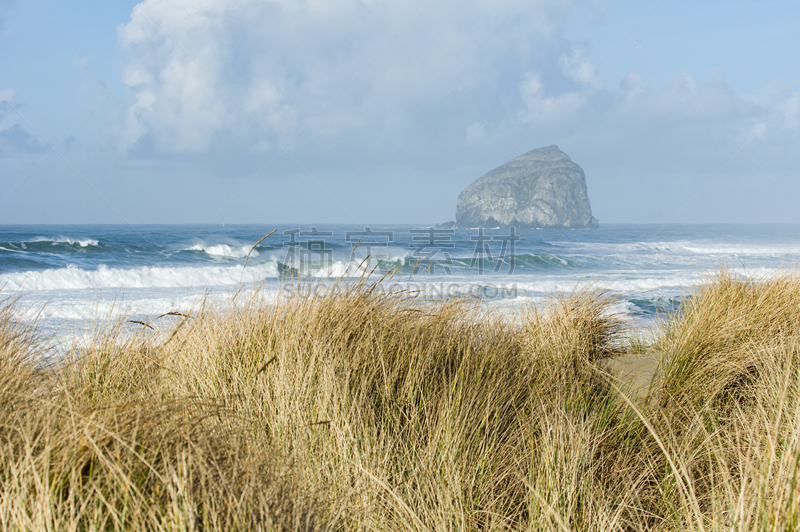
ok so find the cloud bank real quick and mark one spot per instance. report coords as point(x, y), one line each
point(262, 72)
point(384, 78)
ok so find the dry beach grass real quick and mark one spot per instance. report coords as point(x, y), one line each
point(358, 410)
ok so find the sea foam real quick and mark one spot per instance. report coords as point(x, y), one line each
point(74, 278)
point(86, 242)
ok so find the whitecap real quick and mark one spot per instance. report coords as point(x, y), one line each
point(85, 242)
point(224, 250)
point(74, 278)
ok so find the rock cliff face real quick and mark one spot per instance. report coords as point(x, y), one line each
point(541, 188)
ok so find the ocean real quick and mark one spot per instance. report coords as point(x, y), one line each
point(69, 276)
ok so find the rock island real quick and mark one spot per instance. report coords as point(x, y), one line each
point(542, 188)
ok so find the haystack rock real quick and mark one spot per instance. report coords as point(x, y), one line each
point(542, 188)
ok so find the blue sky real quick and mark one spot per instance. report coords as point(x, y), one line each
point(367, 111)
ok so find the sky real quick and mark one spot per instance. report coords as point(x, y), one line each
point(369, 111)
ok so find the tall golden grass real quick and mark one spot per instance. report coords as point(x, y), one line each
point(361, 410)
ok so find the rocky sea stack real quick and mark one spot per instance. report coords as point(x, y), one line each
point(542, 188)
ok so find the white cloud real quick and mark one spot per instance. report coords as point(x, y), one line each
point(578, 68)
point(784, 98)
point(281, 62)
point(634, 85)
point(538, 106)
point(693, 109)
point(134, 127)
point(8, 95)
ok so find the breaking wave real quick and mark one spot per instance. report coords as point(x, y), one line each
point(74, 278)
point(43, 244)
point(223, 250)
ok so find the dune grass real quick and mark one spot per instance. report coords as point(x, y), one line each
point(360, 410)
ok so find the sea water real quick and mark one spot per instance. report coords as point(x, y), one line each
point(69, 275)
